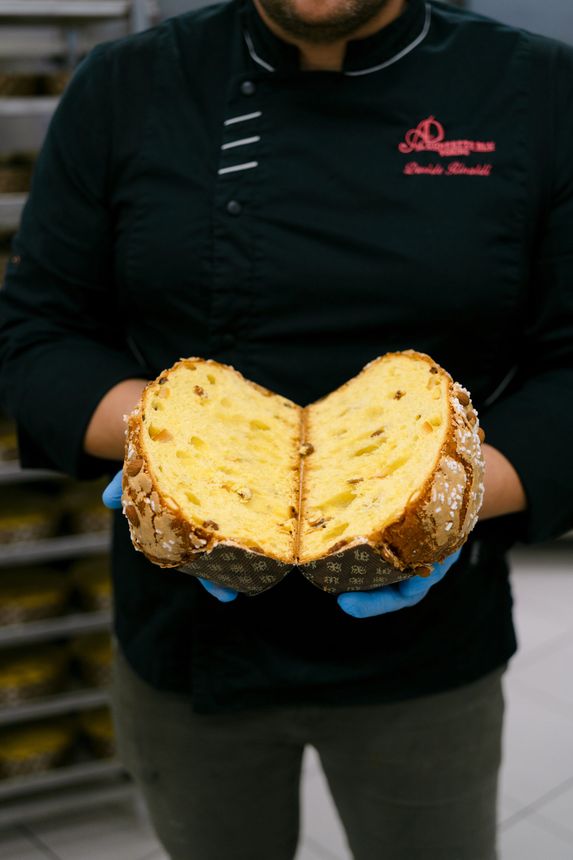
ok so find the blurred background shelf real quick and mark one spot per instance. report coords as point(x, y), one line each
point(13, 473)
point(62, 703)
point(41, 43)
point(73, 794)
point(52, 628)
point(73, 774)
point(37, 43)
point(64, 8)
point(52, 36)
point(50, 549)
point(27, 106)
point(11, 206)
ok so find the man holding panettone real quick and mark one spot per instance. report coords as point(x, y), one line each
point(295, 187)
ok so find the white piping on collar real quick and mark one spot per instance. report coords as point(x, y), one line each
point(418, 40)
point(254, 54)
point(403, 52)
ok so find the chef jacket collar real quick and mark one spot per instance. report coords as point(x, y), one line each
point(363, 56)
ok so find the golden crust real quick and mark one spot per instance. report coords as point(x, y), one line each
point(435, 523)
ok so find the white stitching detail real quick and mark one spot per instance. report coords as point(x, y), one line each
point(241, 142)
point(246, 166)
point(243, 117)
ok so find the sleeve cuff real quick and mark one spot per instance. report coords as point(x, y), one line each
point(529, 428)
point(62, 393)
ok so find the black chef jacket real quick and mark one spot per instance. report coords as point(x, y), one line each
point(199, 194)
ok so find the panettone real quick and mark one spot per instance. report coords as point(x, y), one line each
point(36, 747)
point(31, 593)
point(367, 486)
point(31, 672)
point(18, 84)
point(27, 516)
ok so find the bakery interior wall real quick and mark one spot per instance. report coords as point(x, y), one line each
point(550, 17)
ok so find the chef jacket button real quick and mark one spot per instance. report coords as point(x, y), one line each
point(234, 207)
point(248, 88)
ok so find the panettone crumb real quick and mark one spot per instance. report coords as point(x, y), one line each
point(385, 454)
point(383, 472)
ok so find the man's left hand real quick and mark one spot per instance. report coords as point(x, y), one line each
point(390, 598)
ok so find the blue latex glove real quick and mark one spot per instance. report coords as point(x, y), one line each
point(112, 499)
point(390, 598)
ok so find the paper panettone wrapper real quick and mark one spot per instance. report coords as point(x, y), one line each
point(435, 522)
point(358, 568)
point(233, 567)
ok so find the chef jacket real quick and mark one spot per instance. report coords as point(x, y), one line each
point(200, 194)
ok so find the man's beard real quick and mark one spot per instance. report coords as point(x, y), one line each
point(351, 16)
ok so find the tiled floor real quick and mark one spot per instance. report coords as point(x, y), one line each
point(536, 810)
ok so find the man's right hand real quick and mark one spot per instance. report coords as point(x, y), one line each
point(105, 433)
point(112, 499)
point(111, 496)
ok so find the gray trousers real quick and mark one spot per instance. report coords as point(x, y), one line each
point(413, 780)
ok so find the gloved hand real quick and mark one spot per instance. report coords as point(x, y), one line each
point(112, 499)
point(390, 598)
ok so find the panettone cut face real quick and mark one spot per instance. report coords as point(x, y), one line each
point(376, 442)
point(255, 470)
point(223, 452)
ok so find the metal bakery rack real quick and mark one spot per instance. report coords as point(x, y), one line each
point(51, 36)
point(23, 798)
point(41, 37)
point(37, 795)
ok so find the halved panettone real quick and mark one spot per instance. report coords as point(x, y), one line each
point(370, 485)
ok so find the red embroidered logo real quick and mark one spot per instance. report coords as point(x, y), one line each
point(430, 136)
